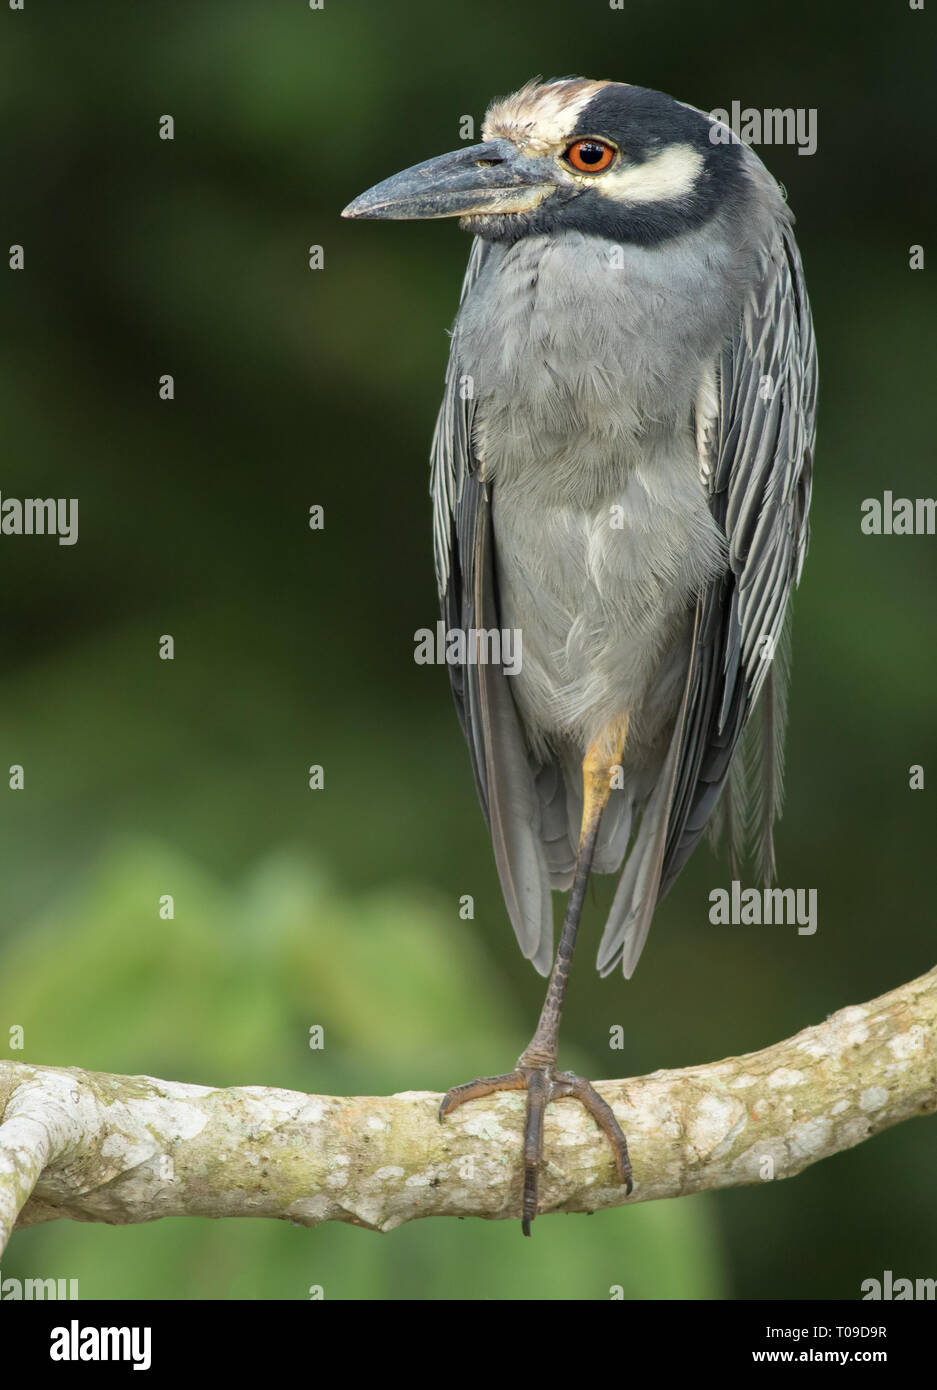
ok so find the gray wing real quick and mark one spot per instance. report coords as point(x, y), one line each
point(756, 447)
point(465, 574)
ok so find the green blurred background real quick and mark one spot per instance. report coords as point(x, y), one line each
point(293, 647)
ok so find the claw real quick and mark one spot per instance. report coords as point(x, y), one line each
point(543, 1085)
point(482, 1086)
point(539, 1089)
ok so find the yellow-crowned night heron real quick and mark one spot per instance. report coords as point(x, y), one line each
point(621, 473)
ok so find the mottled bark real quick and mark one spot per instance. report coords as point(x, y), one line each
point(122, 1149)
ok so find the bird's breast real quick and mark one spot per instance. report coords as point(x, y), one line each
point(580, 354)
point(583, 376)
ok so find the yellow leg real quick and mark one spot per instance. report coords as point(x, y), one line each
point(603, 756)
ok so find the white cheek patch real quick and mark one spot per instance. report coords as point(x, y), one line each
point(670, 174)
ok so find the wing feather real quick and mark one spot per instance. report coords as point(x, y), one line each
point(465, 573)
point(756, 456)
point(762, 474)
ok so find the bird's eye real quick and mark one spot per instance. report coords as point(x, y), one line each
point(590, 156)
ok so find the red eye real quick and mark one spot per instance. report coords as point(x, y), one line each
point(590, 156)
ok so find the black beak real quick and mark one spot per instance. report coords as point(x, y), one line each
point(490, 178)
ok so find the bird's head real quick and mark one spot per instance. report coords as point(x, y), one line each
point(602, 158)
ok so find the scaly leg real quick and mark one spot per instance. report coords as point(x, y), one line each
point(536, 1067)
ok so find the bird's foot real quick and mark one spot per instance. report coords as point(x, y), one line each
point(543, 1084)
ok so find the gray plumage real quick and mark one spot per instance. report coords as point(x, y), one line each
point(621, 470)
point(621, 474)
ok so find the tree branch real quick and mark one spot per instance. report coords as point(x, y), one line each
point(122, 1149)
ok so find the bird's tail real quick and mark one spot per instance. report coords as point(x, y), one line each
point(629, 919)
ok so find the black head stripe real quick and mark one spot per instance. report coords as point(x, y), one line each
point(642, 122)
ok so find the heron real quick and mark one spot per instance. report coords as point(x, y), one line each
point(621, 474)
